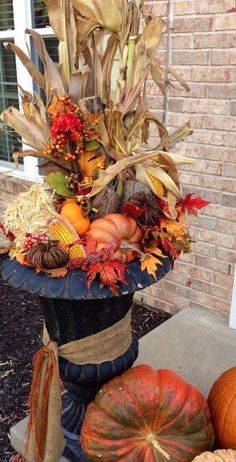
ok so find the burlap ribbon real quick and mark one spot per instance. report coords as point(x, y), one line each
point(44, 439)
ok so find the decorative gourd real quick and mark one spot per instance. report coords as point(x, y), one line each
point(222, 455)
point(74, 214)
point(47, 256)
point(113, 229)
point(146, 416)
point(222, 403)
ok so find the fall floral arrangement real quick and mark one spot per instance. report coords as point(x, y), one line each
point(108, 196)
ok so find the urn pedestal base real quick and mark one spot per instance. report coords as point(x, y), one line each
point(67, 321)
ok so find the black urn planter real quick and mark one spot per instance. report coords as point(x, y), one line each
point(72, 312)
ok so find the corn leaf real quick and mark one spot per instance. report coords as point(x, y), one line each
point(26, 61)
point(146, 47)
point(40, 155)
point(28, 130)
point(61, 16)
point(110, 14)
point(53, 80)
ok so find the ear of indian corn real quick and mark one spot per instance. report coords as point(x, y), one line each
point(60, 231)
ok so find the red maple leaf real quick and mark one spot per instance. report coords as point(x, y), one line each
point(191, 205)
point(169, 248)
point(110, 273)
point(133, 211)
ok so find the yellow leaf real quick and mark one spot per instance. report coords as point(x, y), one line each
point(149, 264)
point(56, 273)
point(155, 251)
point(177, 229)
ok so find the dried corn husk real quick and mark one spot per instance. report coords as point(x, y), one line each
point(110, 14)
point(29, 212)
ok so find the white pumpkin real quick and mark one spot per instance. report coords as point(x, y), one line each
point(222, 455)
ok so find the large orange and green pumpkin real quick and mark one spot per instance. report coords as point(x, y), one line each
point(147, 416)
point(222, 403)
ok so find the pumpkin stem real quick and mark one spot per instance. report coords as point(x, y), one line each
point(153, 441)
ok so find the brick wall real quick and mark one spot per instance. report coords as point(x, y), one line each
point(202, 49)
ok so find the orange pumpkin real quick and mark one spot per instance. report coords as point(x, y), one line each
point(115, 228)
point(74, 214)
point(222, 403)
point(146, 416)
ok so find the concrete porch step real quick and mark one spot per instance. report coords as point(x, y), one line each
point(198, 345)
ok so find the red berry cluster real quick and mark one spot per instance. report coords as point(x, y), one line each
point(32, 239)
point(85, 263)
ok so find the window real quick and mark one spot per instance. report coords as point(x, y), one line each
point(9, 142)
point(15, 17)
point(6, 18)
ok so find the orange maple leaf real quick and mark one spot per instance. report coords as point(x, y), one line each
point(173, 227)
point(150, 263)
point(110, 273)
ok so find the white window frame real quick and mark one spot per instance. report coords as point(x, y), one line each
point(23, 19)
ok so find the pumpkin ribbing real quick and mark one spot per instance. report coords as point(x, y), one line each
point(147, 416)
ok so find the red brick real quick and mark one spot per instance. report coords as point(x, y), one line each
point(206, 194)
point(213, 74)
point(196, 90)
point(227, 22)
point(202, 24)
point(224, 280)
point(229, 170)
point(214, 264)
point(204, 106)
point(182, 42)
point(214, 6)
point(227, 227)
point(200, 57)
point(216, 210)
point(209, 137)
point(228, 200)
point(219, 122)
point(231, 140)
point(214, 40)
point(226, 91)
point(203, 248)
point(227, 255)
point(212, 289)
point(218, 153)
point(220, 58)
point(233, 108)
point(183, 7)
point(229, 185)
point(193, 271)
point(217, 238)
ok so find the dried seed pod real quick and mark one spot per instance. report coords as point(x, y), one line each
point(47, 256)
point(148, 203)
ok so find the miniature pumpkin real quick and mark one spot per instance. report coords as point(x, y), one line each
point(222, 403)
point(222, 455)
point(146, 416)
point(47, 256)
point(74, 214)
point(114, 228)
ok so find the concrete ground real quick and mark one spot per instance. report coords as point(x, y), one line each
point(198, 345)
